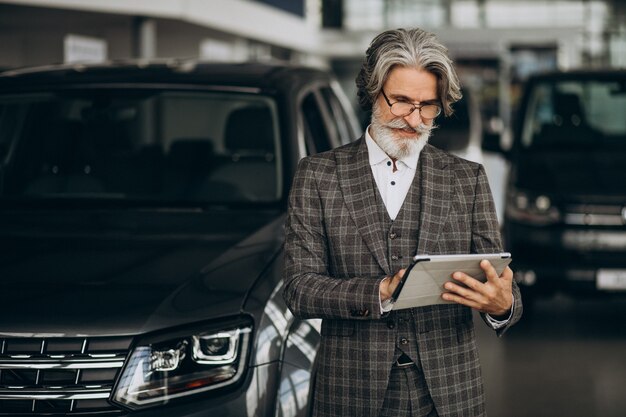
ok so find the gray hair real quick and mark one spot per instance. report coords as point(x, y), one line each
point(414, 48)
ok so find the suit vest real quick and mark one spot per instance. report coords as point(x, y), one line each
point(401, 237)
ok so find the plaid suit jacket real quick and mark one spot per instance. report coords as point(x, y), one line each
point(335, 258)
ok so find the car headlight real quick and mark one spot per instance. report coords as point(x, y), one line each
point(537, 210)
point(177, 365)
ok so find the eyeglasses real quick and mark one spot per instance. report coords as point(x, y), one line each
point(404, 108)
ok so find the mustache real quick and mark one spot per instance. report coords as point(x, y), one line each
point(401, 124)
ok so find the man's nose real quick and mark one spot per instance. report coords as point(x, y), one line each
point(414, 119)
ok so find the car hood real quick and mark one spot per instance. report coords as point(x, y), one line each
point(104, 274)
point(573, 176)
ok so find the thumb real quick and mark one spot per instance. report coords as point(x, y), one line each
point(399, 274)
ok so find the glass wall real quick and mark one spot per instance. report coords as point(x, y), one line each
point(376, 14)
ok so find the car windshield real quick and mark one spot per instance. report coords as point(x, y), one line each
point(576, 114)
point(140, 144)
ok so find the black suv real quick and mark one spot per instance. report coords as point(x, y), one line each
point(565, 217)
point(141, 231)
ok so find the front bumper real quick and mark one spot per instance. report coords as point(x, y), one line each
point(565, 258)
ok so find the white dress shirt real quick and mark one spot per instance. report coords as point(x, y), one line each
point(393, 188)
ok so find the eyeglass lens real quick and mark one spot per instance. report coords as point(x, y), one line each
point(428, 111)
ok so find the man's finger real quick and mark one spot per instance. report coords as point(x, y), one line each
point(469, 281)
point(463, 291)
point(460, 300)
point(398, 276)
point(394, 281)
point(490, 271)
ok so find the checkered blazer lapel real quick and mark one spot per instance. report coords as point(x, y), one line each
point(436, 196)
point(358, 187)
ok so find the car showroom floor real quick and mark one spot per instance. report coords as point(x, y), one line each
point(566, 359)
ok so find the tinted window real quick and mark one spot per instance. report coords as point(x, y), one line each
point(141, 144)
point(338, 116)
point(576, 114)
point(317, 138)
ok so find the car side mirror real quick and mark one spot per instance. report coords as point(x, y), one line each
point(491, 142)
point(492, 137)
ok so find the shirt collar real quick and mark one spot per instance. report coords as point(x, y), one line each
point(377, 155)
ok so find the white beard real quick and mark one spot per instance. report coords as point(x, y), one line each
point(397, 147)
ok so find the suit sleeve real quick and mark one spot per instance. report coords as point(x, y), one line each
point(486, 238)
point(309, 290)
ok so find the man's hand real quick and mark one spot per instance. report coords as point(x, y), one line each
point(494, 297)
point(388, 285)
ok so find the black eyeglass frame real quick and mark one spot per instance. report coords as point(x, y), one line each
point(415, 106)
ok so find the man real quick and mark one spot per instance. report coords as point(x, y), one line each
point(357, 214)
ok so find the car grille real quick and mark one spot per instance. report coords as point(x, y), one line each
point(595, 215)
point(59, 375)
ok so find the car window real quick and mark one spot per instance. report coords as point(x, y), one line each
point(316, 136)
point(140, 144)
point(582, 113)
point(338, 118)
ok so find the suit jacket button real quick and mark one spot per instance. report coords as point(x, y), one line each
point(404, 341)
point(391, 324)
point(392, 235)
point(394, 257)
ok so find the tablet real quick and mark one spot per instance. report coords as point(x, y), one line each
point(424, 278)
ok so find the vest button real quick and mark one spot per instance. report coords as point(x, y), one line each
point(391, 324)
point(392, 235)
point(404, 341)
point(394, 257)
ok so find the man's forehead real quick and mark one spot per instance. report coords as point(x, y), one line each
point(412, 83)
